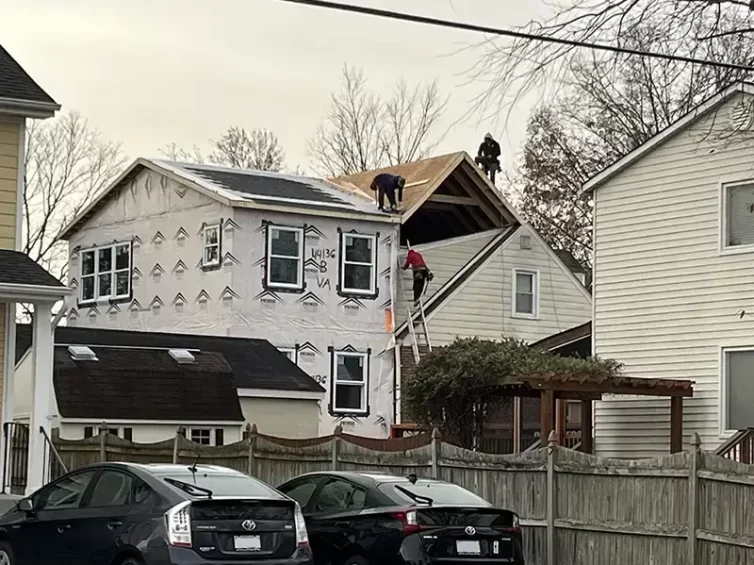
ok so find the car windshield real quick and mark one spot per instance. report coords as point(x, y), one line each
point(225, 485)
point(444, 494)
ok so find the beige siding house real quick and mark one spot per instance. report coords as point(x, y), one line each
point(674, 276)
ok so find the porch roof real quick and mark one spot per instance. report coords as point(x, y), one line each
point(570, 385)
point(23, 280)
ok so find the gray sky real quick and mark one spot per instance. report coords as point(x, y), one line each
point(150, 72)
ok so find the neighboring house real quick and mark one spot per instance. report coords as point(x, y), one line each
point(22, 280)
point(674, 276)
point(210, 250)
point(495, 276)
point(144, 385)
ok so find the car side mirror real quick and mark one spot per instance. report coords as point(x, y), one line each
point(26, 505)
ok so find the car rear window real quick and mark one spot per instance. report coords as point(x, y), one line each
point(440, 493)
point(226, 485)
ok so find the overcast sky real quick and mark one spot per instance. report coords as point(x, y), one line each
point(151, 72)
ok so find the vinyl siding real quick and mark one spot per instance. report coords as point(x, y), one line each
point(10, 130)
point(444, 259)
point(666, 300)
point(482, 306)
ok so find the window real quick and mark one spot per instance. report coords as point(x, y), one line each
point(66, 493)
point(738, 215)
point(201, 435)
point(128, 434)
point(285, 253)
point(525, 294)
point(338, 496)
point(289, 352)
point(301, 491)
point(111, 489)
point(358, 255)
point(106, 272)
point(219, 436)
point(349, 387)
point(738, 383)
point(88, 432)
point(142, 494)
point(211, 256)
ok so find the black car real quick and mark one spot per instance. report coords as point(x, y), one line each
point(372, 519)
point(130, 514)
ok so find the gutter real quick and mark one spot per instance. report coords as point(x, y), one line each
point(30, 292)
point(28, 108)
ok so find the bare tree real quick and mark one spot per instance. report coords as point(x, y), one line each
point(257, 149)
point(68, 164)
point(363, 130)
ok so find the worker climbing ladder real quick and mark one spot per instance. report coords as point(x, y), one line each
point(415, 317)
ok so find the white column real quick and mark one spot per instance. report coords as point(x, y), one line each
point(42, 352)
point(9, 373)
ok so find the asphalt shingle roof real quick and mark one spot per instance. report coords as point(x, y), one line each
point(19, 268)
point(16, 84)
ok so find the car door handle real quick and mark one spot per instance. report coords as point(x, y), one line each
point(64, 529)
point(114, 524)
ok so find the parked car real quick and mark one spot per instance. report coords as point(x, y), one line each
point(130, 514)
point(372, 519)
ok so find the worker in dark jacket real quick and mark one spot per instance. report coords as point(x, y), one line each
point(489, 156)
point(422, 274)
point(388, 185)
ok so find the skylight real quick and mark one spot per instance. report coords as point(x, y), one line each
point(182, 356)
point(81, 353)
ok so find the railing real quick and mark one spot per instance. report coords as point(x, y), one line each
point(739, 448)
point(53, 463)
point(16, 457)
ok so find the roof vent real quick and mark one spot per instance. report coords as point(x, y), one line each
point(81, 353)
point(182, 356)
point(525, 242)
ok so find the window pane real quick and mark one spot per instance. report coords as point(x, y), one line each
point(348, 397)
point(105, 259)
point(87, 263)
point(112, 489)
point(67, 493)
point(105, 285)
point(357, 277)
point(121, 283)
point(350, 368)
point(740, 389)
point(302, 492)
point(211, 255)
point(334, 496)
point(142, 492)
point(87, 288)
point(284, 271)
point(524, 283)
point(524, 304)
point(211, 236)
point(358, 249)
point(283, 242)
point(121, 256)
point(740, 212)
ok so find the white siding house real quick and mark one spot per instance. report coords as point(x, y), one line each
point(674, 276)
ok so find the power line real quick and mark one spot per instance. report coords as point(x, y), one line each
point(509, 33)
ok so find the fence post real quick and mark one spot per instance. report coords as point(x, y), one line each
point(436, 453)
point(252, 439)
point(335, 445)
point(552, 441)
point(103, 431)
point(695, 455)
point(176, 444)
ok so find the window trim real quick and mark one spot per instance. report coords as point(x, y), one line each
point(334, 383)
point(292, 350)
point(372, 292)
point(300, 282)
point(112, 297)
point(724, 432)
point(535, 289)
point(219, 245)
point(723, 218)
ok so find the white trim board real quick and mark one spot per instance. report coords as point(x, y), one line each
point(280, 394)
point(199, 423)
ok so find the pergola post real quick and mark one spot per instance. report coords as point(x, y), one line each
point(546, 415)
point(587, 429)
point(676, 424)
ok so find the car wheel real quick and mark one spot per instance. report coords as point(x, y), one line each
point(356, 560)
point(6, 554)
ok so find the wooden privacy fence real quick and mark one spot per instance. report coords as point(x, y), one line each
point(690, 508)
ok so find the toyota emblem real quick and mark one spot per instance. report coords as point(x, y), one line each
point(470, 530)
point(250, 525)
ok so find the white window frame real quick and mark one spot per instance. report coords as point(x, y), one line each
point(208, 229)
point(208, 431)
point(364, 384)
point(535, 289)
point(726, 249)
point(372, 264)
point(725, 433)
point(269, 256)
point(291, 351)
point(113, 273)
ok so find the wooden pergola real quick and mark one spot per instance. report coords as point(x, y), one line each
point(554, 389)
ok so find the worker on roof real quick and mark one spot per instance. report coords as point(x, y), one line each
point(387, 185)
point(488, 157)
point(422, 274)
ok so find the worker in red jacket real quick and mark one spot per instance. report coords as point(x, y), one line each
point(422, 274)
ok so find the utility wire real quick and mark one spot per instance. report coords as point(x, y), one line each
point(509, 33)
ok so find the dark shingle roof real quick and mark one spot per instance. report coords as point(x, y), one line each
point(145, 384)
point(16, 84)
point(573, 342)
point(255, 363)
point(570, 261)
point(19, 268)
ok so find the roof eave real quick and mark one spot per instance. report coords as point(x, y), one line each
point(33, 293)
point(326, 212)
point(28, 108)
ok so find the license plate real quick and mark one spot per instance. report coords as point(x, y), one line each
point(247, 543)
point(468, 548)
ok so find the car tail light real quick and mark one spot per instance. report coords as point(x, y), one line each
point(409, 520)
point(178, 521)
point(302, 536)
point(515, 528)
